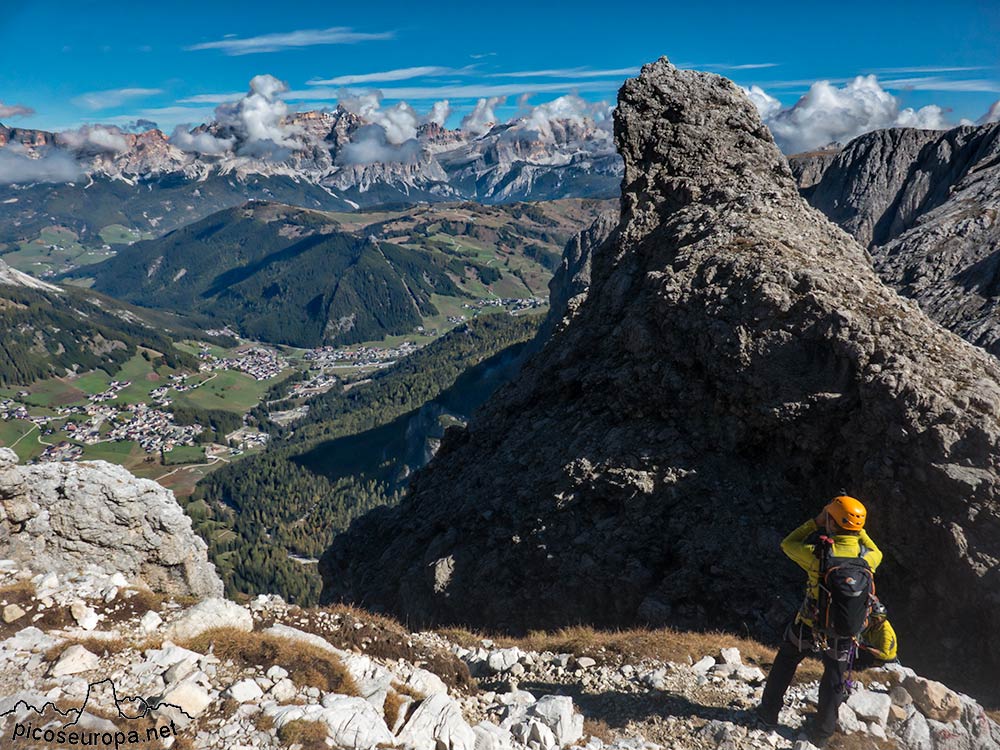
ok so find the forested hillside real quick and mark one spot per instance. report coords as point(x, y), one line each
point(257, 513)
point(47, 333)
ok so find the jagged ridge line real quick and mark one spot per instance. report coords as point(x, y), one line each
point(79, 711)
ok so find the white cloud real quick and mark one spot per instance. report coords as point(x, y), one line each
point(566, 73)
point(399, 74)
point(992, 114)
point(47, 165)
point(14, 110)
point(541, 122)
point(766, 104)
point(292, 39)
point(108, 98)
point(930, 69)
point(465, 90)
point(398, 121)
point(483, 116)
point(230, 96)
point(94, 137)
point(827, 114)
point(937, 83)
point(370, 145)
point(439, 113)
point(256, 119)
point(201, 142)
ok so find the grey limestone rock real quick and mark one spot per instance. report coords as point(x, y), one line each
point(62, 517)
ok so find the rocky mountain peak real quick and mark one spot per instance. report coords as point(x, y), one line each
point(736, 363)
point(687, 138)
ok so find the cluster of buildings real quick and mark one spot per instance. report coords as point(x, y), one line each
point(258, 362)
point(319, 383)
point(154, 430)
point(247, 438)
point(114, 388)
point(63, 451)
point(361, 356)
point(10, 409)
point(511, 304)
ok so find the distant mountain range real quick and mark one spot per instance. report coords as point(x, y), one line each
point(148, 182)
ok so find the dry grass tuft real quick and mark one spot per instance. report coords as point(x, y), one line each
point(391, 707)
point(380, 637)
point(96, 646)
point(142, 601)
point(310, 735)
point(307, 665)
point(263, 722)
point(598, 728)
point(407, 690)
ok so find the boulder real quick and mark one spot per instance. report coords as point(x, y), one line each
point(351, 722)
point(557, 713)
point(933, 700)
point(870, 706)
point(209, 614)
point(437, 724)
point(74, 660)
point(12, 612)
point(245, 691)
point(730, 334)
point(63, 516)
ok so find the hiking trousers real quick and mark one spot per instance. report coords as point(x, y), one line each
point(797, 645)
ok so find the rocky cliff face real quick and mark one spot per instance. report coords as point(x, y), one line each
point(926, 203)
point(571, 280)
point(64, 517)
point(736, 363)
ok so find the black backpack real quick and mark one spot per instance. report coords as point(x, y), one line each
point(846, 592)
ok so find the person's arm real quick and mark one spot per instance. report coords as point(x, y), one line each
point(795, 547)
point(874, 554)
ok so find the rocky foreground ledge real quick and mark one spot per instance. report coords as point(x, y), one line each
point(216, 674)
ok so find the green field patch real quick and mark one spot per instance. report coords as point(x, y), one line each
point(184, 454)
point(228, 390)
point(11, 434)
point(116, 234)
point(122, 452)
point(54, 392)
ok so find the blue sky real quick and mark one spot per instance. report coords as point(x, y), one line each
point(172, 62)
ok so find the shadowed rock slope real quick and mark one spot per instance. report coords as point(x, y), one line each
point(736, 363)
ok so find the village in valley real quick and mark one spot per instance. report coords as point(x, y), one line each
point(132, 415)
point(178, 424)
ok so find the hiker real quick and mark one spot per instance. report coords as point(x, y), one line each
point(836, 536)
point(878, 642)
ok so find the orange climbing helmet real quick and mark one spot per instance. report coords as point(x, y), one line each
point(847, 512)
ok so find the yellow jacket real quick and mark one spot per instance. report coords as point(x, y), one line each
point(797, 548)
point(880, 640)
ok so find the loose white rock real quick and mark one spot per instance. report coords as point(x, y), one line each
point(208, 615)
point(74, 660)
point(245, 691)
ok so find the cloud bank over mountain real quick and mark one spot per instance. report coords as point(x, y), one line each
point(828, 113)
